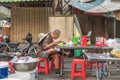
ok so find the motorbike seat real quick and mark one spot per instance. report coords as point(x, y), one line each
point(13, 44)
point(3, 43)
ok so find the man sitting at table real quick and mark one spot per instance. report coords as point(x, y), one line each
point(48, 48)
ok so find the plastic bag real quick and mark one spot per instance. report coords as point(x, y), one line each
point(78, 53)
point(116, 53)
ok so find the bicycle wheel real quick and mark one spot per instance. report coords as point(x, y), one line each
point(32, 51)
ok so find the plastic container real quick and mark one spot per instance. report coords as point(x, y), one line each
point(20, 76)
point(3, 70)
point(32, 73)
point(84, 40)
point(10, 79)
point(75, 40)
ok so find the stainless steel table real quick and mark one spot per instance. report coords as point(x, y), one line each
point(81, 47)
point(99, 57)
point(78, 47)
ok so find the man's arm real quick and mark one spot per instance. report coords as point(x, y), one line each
point(48, 42)
point(51, 44)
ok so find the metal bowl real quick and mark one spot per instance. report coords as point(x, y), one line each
point(25, 66)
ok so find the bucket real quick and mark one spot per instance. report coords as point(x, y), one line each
point(3, 70)
point(20, 76)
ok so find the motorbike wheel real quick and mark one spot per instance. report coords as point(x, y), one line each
point(2, 49)
point(32, 51)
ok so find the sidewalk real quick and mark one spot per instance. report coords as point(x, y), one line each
point(114, 74)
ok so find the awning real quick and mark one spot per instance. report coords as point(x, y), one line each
point(97, 6)
point(85, 5)
point(17, 0)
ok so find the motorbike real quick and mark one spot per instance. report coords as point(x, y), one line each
point(28, 49)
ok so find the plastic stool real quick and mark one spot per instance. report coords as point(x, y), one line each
point(11, 67)
point(88, 64)
point(81, 72)
point(52, 65)
point(45, 67)
point(0, 38)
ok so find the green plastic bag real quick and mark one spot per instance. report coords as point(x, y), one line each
point(78, 53)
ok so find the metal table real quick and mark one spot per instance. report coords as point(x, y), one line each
point(78, 47)
point(99, 57)
point(81, 47)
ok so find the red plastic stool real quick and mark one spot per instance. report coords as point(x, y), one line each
point(88, 64)
point(52, 65)
point(11, 67)
point(81, 72)
point(45, 67)
point(0, 38)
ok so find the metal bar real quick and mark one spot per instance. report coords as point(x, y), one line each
point(114, 33)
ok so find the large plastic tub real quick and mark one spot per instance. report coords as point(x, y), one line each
point(32, 73)
point(20, 76)
point(10, 79)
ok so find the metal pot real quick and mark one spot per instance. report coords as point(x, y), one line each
point(25, 66)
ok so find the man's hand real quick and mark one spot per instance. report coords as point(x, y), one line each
point(56, 42)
